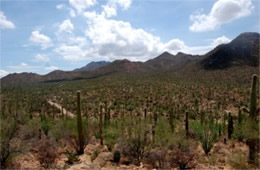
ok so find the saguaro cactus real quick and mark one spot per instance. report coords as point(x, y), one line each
point(53, 111)
point(79, 122)
point(252, 110)
point(202, 117)
point(187, 123)
point(153, 133)
point(239, 126)
point(253, 142)
point(230, 125)
point(108, 115)
point(239, 117)
point(196, 105)
point(155, 118)
point(40, 134)
point(101, 125)
point(62, 114)
point(171, 120)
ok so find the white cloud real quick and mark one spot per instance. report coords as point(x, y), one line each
point(81, 5)
point(51, 68)
point(41, 58)
point(220, 40)
point(4, 23)
point(125, 4)
point(109, 11)
point(70, 52)
point(66, 26)
point(111, 39)
point(175, 45)
point(72, 13)
point(118, 38)
point(40, 39)
point(3, 73)
point(61, 6)
point(22, 67)
point(222, 12)
point(65, 35)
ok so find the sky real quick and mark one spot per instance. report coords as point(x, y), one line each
point(44, 35)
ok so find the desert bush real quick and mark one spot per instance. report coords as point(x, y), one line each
point(67, 129)
point(251, 133)
point(239, 161)
point(183, 155)
point(111, 135)
point(45, 127)
point(163, 133)
point(31, 129)
point(207, 134)
point(212, 160)
point(157, 158)
point(8, 128)
point(72, 157)
point(137, 145)
point(47, 153)
point(238, 130)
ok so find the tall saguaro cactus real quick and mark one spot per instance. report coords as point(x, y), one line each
point(101, 125)
point(171, 120)
point(187, 123)
point(252, 110)
point(253, 142)
point(230, 125)
point(79, 122)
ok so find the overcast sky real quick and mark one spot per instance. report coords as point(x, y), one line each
point(44, 35)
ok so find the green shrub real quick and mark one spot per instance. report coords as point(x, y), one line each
point(45, 127)
point(239, 161)
point(111, 135)
point(163, 133)
point(137, 145)
point(207, 134)
point(238, 133)
point(72, 157)
point(8, 129)
point(64, 128)
point(31, 129)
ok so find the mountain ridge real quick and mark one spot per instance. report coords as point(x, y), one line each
point(243, 50)
point(92, 66)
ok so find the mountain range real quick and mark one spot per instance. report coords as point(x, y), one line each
point(242, 51)
point(92, 66)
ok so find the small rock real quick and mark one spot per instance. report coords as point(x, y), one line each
point(80, 166)
point(141, 165)
point(90, 148)
point(221, 160)
point(102, 158)
point(61, 161)
point(93, 140)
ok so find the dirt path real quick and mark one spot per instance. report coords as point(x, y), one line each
point(58, 106)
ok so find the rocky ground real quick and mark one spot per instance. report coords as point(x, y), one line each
point(231, 155)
